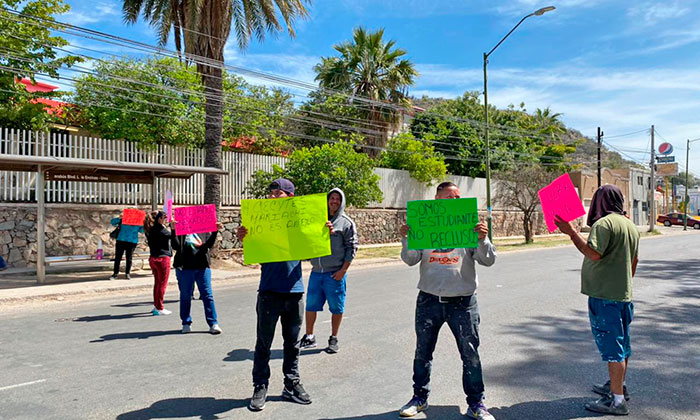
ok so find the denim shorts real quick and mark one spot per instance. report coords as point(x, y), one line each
point(323, 287)
point(610, 323)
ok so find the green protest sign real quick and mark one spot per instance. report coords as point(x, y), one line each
point(442, 224)
point(285, 229)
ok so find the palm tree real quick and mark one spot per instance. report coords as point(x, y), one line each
point(370, 68)
point(549, 123)
point(201, 29)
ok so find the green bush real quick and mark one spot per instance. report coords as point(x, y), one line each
point(322, 168)
point(417, 157)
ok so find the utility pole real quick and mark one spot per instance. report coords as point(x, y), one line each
point(600, 145)
point(685, 194)
point(652, 188)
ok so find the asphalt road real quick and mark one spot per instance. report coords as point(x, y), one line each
point(108, 358)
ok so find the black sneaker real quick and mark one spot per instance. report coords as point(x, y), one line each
point(257, 401)
point(606, 405)
point(332, 344)
point(605, 390)
point(307, 342)
point(296, 393)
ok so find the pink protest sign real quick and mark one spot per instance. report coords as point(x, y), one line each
point(168, 205)
point(560, 198)
point(195, 219)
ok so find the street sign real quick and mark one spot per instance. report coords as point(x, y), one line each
point(667, 169)
point(96, 176)
point(665, 159)
point(665, 149)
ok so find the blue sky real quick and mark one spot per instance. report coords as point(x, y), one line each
point(621, 65)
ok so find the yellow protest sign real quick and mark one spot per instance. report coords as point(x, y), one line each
point(285, 229)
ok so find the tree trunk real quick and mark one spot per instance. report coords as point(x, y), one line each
point(213, 88)
point(527, 228)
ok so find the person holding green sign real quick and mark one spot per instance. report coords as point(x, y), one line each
point(280, 297)
point(328, 276)
point(448, 283)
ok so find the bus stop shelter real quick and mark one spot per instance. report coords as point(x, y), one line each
point(90, 170)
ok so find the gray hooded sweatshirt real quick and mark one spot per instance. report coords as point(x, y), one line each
point(449, 272)
point(343, 240)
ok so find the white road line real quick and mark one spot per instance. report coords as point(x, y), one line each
point(5, 388)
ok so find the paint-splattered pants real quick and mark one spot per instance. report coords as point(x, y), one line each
point(462, 316)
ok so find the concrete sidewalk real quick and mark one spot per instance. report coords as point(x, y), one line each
point(21, 287)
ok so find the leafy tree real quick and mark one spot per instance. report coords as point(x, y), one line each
point(518, 189)
point(417, 157)
point(332, 117)
point(159, 101)
point(372, 68)
point(28, 49)
point(201, 29)
point(322, 168)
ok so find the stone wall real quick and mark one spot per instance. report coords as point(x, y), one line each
point(78, 230)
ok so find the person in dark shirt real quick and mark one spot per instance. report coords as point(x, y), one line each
point(191, 265)
point(279, 298)
point(158, 239)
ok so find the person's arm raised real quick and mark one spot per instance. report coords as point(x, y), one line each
point(578, 240)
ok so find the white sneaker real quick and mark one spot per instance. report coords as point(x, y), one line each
point(113, 277)
point(163, 311)
point(215, 329)
point(186, 329)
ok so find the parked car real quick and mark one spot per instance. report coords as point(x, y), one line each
point(677, 219)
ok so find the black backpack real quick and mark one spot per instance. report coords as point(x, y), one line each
point(115, 233)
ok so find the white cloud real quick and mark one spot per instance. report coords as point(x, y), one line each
point(96, 13)
point(655, 12)
point(618, 100)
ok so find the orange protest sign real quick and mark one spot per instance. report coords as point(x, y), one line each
point(133, 217)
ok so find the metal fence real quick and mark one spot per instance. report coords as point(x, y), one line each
point(20, 186)
point(397, 186)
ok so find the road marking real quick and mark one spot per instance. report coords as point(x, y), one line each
point(5, 388)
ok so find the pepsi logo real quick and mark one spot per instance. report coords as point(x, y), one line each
point(665, 148)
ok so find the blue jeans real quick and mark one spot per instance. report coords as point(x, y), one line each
point(323, 287)
point(185, 281)
point(610, 324)
point(462, 316)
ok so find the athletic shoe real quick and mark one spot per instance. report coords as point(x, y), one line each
point(296, 393)
point(186, 329)
point(605, 390)
point(215, 329)
point(113, 277)
point(307, 342)
point(606, 405)
point(332, 344)
point(413, 407)
point(479, 412)
point(128, 276)
point(163, 311)
point(257, 401)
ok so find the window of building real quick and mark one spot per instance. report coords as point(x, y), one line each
point(640, 180)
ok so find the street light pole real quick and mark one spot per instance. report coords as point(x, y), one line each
point(538, 12)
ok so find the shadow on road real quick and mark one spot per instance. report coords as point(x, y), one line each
point(202, 408)
point(561, 352)
point(133, 304)
point(564, 409)
point(110, 317)
point(238, 355)
point(433, 412)
point(141, 335)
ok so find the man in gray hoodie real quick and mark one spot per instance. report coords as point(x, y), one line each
point(328, 274)
point(447, 284)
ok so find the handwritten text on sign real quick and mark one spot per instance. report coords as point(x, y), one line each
point(560, 198)
point(285, 229)
point(133, 217)
point(195, 219)
point(442, 224)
